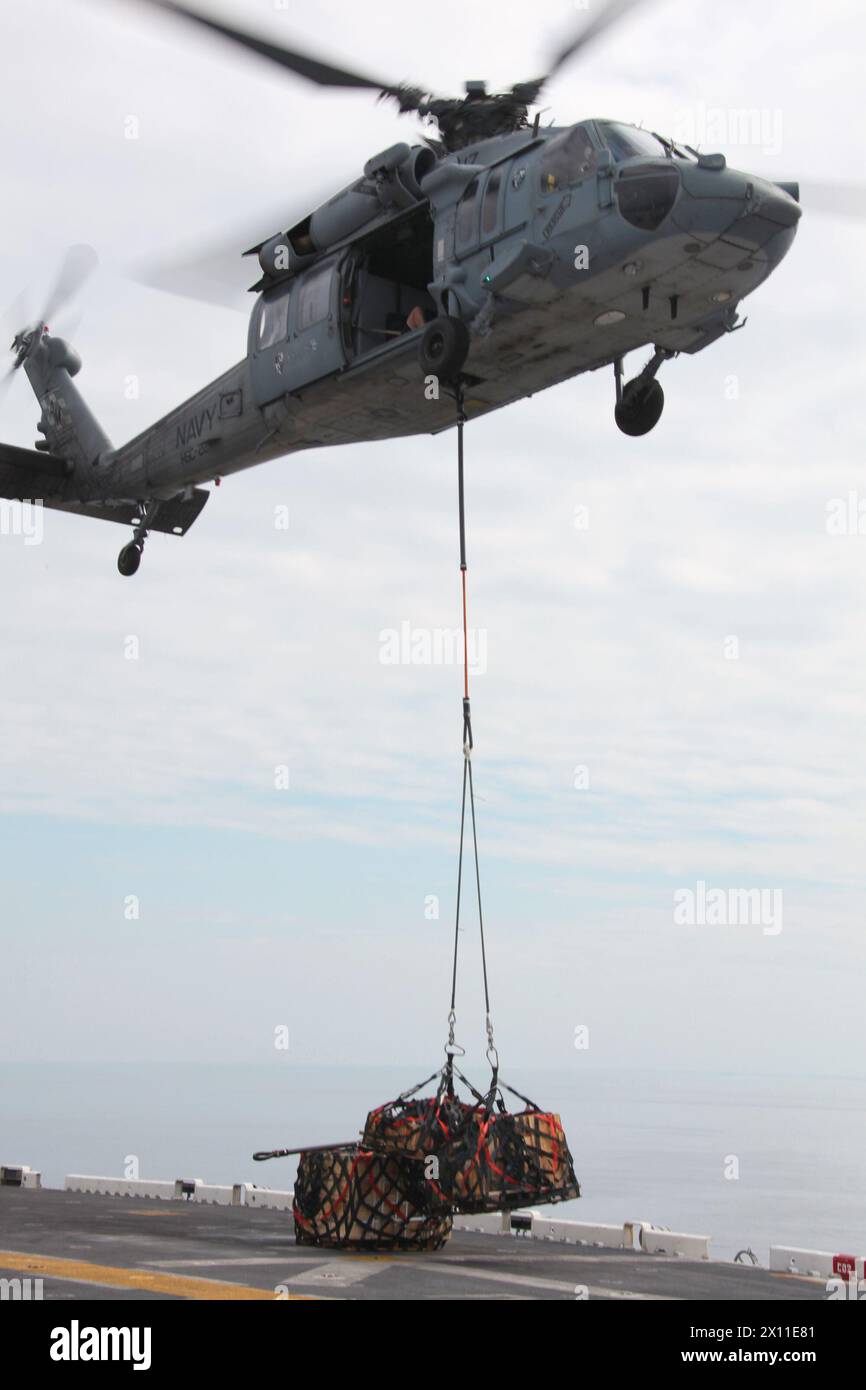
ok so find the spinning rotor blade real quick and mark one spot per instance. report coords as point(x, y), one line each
point(76, 267)
point(215, 277)
point(14, 318)
point(612, 13)
point(313, 69)
point(833, 199)
point(409, 98)
point(604, 20)
point(6, 381)
point(217, 273)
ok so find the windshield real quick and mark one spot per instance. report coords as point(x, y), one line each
point(626, 141)
point(567, 158)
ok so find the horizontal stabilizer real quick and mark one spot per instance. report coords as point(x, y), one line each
point(174, 518)
point(27, 475)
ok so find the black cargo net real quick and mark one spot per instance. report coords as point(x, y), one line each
point(355, 1199)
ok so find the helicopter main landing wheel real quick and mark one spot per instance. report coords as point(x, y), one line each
point(641, 406)
point(444, 347)
point(129, 558)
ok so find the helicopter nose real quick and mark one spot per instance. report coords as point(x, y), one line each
point(740, 215)
point(771, 205)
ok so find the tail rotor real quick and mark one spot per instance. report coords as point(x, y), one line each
point(76, 267)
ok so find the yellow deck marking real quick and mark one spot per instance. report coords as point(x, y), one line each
point(178, 1285)
point(151, 1212)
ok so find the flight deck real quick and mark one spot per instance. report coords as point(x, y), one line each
point(83, 1246)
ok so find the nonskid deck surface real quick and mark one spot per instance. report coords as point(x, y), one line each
point(85, 1247)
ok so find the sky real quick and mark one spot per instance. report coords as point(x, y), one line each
point(673, 689)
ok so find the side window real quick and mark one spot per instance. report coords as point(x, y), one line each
point(273, 324)
point(566, 159)
point(490, 206)
point(314, 298)
point(465, 229)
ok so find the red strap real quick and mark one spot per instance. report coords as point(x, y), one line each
point(465, 642)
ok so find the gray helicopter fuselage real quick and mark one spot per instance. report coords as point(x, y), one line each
point(558, 250)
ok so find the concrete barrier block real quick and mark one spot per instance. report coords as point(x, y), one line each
point(820, 1264)
point(579, 1233)
point(180, 1189)
point(120, 1187)
point(656, 1241)
point(19, 1175)
point(493, 1222)
point(268, 1197)
point(217, 1194)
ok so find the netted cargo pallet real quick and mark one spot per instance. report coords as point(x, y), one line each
point(416, 1131)
point(502, 1161)
point(353, 1199)
point(476, 1157)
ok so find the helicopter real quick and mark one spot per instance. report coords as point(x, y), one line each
point(480, 266)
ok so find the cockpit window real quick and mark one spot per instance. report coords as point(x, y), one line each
point(566, 159)
point(314, 301)
point(626, 141)
point(490, 206)
point(273, 320)
point(466, 230)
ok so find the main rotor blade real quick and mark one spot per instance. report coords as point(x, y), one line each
point(77, 266)
point(217, 272)
point(304, 64)
point(604, 20)
point(6, 381)
point(217, 277)
point(833, 199)
point(16, 317)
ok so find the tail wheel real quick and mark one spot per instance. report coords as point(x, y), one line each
point(444, 347)
point(129, 559)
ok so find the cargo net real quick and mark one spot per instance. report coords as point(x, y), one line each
point(475, 1156)
point(355, 1199)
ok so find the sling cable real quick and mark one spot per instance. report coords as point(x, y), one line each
point(452, 1048)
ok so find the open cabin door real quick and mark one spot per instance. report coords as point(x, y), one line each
point(385, 280)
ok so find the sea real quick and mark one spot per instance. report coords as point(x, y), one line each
point(749, 1160)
